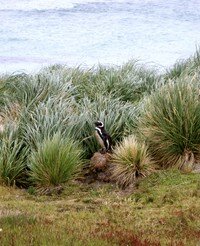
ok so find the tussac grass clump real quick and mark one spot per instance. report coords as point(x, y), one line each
point(45, 120)
point(131, 160)
point(184, 67)
point(170, 123)
point(54, 162)
point(129, 82)
point(12, 159)
point(29, 90)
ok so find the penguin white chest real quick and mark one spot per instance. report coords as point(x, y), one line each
point(99, 139)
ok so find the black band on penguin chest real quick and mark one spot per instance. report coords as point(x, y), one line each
point(104, 136)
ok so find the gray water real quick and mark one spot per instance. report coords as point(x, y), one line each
point(36, 33)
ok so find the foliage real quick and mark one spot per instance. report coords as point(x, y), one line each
point(29, 90)
point(116, 115)
point(130, 160)
point(45, 120)
point(185, 67)
point(12, 159)
point(129, 82)
point(70, 100)
point(55, 161)
point(170, 122)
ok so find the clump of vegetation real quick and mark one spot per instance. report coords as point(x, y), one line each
point(12, 159)
point(184, 67)
point(170, 123)
point(45, 120)
point(131, 160)
point(54, 162)
point(29, 90)
point(129, 82)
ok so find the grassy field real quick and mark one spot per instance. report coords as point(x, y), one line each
point(162, 209)
point(51, 192)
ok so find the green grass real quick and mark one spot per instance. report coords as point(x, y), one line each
point(55, 161)
point(170, 123)
point(184, 67)
point(162, 109)
point(129, 82)
point(29, 90)
point(12, 159)
point(104, 215)
point(44, 121)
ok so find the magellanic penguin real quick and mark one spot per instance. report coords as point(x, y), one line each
point(102, 136)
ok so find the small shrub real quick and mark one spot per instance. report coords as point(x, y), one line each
point(179, 68)
point(12, 160)
point(170, 122)
point(29, 90)
point(55, 161)
point(130, 160)
point(184, 67)
point(44, 121)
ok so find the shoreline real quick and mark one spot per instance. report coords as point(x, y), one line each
point(34, 68)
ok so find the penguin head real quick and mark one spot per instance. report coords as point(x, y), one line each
point(99, 124)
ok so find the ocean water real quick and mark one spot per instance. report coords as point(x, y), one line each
point(37, 33)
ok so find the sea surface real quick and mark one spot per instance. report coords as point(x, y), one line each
point(37, 33)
